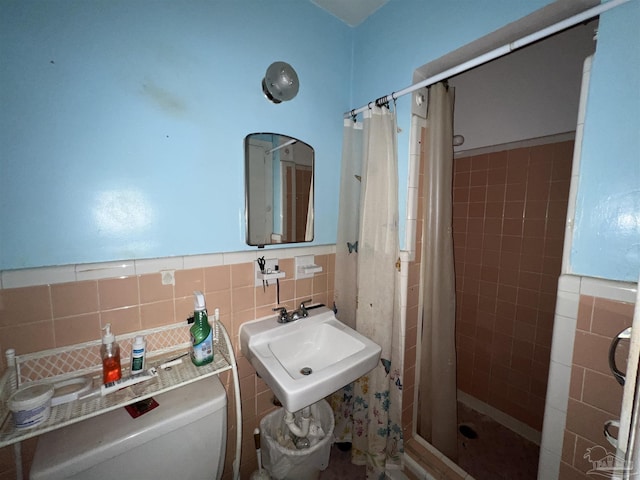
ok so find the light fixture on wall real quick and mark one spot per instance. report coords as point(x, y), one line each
point(280, 83)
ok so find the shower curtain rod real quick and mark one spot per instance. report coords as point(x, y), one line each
point(286, 144)
point(493, 54)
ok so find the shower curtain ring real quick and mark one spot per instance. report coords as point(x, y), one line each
point(382, 102)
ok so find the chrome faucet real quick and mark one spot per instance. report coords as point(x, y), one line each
point(286, 317)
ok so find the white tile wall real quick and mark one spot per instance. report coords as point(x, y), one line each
point(211, 260)
point(569, 283)
point(413, 182)
point(618, 291)
point(97, 271)
point(548, 465)
point(37, 276)
point(404, 289)
point(553, 431)
point(567, 304)
point(560, 376)
point(564, 332)
point(155, 265)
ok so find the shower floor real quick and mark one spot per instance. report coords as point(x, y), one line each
point(497, 453)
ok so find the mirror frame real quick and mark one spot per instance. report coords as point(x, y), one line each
point(288, 140)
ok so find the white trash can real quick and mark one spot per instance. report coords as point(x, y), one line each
point(282, 459)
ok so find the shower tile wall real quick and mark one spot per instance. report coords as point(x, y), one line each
point(508, 225)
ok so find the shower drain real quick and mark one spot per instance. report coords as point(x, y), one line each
point(306, 371)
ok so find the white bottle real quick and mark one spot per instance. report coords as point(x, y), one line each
point(216, 331)
point(138, 355)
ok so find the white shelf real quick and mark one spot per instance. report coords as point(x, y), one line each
point(310, 269)
point(270, 276)
point(271, 273)
point(305, 267)
point(79, 410)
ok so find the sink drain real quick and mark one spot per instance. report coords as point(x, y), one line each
point(306, 371)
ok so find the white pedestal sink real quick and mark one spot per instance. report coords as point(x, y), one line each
point(305, 360)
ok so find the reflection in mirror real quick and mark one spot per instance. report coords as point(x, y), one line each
point(278, 189)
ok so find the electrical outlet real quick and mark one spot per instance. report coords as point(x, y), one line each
point(168, 277)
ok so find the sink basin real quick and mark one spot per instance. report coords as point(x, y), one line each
point(305, 360)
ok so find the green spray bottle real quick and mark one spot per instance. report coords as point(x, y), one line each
point(201, 333)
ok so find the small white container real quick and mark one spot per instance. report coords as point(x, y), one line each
point(31, 405)
point(138, 355)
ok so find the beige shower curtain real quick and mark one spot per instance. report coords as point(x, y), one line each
point(437, 392)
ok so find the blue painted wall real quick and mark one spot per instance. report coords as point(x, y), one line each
point(406, 34)
point(606, 239)
point(122, 123)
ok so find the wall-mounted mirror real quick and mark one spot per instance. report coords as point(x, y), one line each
point(278, 189)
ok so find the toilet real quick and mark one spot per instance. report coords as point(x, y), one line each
point(184, 437)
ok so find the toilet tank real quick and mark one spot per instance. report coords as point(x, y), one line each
point(184, 437)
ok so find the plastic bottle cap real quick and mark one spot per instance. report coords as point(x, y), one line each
point(139, 341)
point(198, 301)
point(108, 337)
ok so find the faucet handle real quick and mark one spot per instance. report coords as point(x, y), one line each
point(305, 301)
point(303, 308)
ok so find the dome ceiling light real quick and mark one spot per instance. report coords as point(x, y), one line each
point(280, 83)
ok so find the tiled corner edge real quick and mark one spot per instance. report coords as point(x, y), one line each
point(38, 276)
point(413, 186)
point(575, 164)
point(555, 411)
point(549, 461)
point(609, 289)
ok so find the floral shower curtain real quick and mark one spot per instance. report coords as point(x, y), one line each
point(345, 282)
point(374, 405)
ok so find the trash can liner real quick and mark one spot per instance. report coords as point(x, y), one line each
point(281, 457)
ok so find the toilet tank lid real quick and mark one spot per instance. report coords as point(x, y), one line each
point(87, 443)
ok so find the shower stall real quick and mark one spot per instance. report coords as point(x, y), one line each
point(508, 223)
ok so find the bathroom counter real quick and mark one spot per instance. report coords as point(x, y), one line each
point(78, 410)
